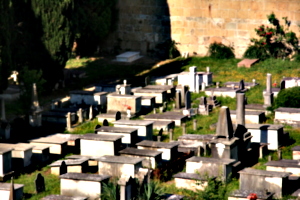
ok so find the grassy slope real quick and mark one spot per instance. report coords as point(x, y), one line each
point(223, 71)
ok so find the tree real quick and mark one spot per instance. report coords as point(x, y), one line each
point(7, 42)
point(92, 20)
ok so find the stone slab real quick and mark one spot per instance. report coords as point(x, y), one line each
point(165, 145)
point(84, 177)
point(120, 159)
point(63, 197)
point(248, 63)
point(102, 137)
point(140, 152)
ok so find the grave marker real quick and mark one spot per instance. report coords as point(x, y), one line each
point(118, 116)
point(63, 168)
point(178, 100)
point(187, 100)
point(105, 122)
point(39, 183)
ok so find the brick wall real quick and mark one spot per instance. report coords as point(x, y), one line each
point(142, 24)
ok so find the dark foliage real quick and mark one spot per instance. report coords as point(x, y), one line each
point(289, 97)
point(220, 51)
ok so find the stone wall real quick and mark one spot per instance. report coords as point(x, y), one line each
point(142, 24)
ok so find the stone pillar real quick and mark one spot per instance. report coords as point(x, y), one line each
point(203, 86)
point(183, 129)
point(69, 121)
point(158, 138)
point(240, 111)
point(91, 113)
point(197, 84)
point(178, 100)
point(192, 77)
point(268, 96)
point(171, 135)
point(195, 124)
point(80, 117)
point(3, 116)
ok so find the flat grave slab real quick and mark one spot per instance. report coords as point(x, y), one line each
point(152, 158)
point(128, 56)
point(267, 133)
point(76, 166)
point(159, 94)
point(225, 92)
point(92, 160)
point(248, 63)
point(251, 117)
point(145, 127)
point(177, 117)
point(21, 153)
point(119, 165)
point(100, 144)
point(164, 125)
point(130, 135)
point(190, 181)
point(58, 145)
point(169, 149)
point(248, 85)
point(169, 88)
point(81, 184)
point(284, 165)
point(243, 194)
point(5, 191)
point(63, 197)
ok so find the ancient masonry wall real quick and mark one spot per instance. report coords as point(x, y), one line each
point(142, 24)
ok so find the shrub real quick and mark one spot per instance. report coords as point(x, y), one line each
point(220, 51)
point(289, 97)
point(274, 40)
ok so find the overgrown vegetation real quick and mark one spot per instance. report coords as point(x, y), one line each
point(274, 40)
point(289, 97)
point(220, 51)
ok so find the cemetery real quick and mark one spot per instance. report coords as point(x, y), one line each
point(133, 124)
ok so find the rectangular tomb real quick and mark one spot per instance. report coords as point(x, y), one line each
point(190, 181)
point(76, 165)
point(178, 118)
point(5, 161)
point(289, 116)
point(88, 97)
point(160, 95)
point(5, 191)
point(118, 102)
point(21, 154)
point(128, 56)
point(283, 165)
point(80, 184)
point(58, 145)
point(251, 117)
point(119, 165)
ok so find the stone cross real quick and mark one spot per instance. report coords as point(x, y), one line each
point(39, 183)
point(269, 83)
point(63, 168)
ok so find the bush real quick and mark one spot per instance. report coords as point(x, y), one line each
point(289, 97)
point(274, 40)
point(220, 51)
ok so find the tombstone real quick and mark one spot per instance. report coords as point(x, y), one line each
point(192, 80)
point(165, 106)
point(161, 109)
point(203, 86)
point(147, 80)
point(242, 85)
point(202, 109)
point(195, 124)
point(171, 135)
point(96, 127)
point(80, 117)
point(240, 112)
point(69, 121)
point(39, 183)
point(105, 122)
point(187, 100)
point(183, 92)
point(224, 125)
point(183, 128)
point(118, 116)
point(197, 84)
point(158, 138)
point(91, 115)
point(178, 100)
point(160, 132)
point(282, 85)
point(63, 168)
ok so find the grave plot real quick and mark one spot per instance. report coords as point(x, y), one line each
point(248, 194)
point(40, 153)
point(110, 117)
point(94, 98)
point(289, 82)
point(247, 85)
point(128, 56)
point(5, 163)
point(80, 184)
point(76, 166)
point(21, 154)
point(289, 116)
point(291, 166)
point(178, 118)
point(251, 117)
point(127, 104)
point(130, 135)
point(58, 145)
point(152, 158)
point(5, 189)
point(159, 94)
point(100, 144)
point(145, 127)
point(190, 181)
point(199, 144)
point(119, 165)
point(169, 149)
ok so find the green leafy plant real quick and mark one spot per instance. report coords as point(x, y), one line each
point(111, 191)
point(289, 97)
point(220, 51)
point(274, 40)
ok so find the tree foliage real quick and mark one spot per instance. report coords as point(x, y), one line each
point(274, 40)
point(220, 51)
point(289, 97)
